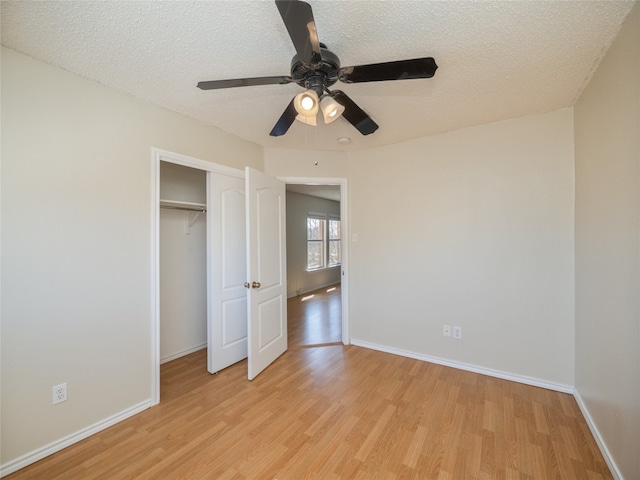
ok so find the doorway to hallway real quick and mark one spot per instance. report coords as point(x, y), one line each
point(316, 262)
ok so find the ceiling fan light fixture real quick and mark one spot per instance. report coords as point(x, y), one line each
point(306, 103)
point(331, 109)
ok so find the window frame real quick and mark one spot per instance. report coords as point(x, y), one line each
point(322, 241)
point(325, 241)
point(334, 218)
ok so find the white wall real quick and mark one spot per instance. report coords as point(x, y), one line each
point(607, 144)
point(297, 163)
point(299, 280)
point(183, 263)
point(184, 184)
point(76, 246)
point(472, 228)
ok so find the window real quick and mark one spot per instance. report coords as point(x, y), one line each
point(315, 242)
point(335, 256)
point(323, 242)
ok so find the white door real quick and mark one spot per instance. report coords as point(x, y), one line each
point(266, 270)
point(227, 325)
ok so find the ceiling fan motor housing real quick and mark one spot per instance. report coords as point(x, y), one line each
point(318, 76)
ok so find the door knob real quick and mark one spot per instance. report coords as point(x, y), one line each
point(255, 285)
point(246, 285)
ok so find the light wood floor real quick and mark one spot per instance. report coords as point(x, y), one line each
point(336, 412)
point(315, 318)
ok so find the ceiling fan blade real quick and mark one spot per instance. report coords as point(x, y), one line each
point(243, 82)
point(398, 70)
point(285, 121)
point(298, 18)
point(354, 114)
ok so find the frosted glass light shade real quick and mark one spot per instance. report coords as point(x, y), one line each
point(331, 109)
point(306, 103)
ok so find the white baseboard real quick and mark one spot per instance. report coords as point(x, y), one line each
point(615, 472)
point(304, 291)
point(58, 445)
point(175, 356)
point(536, 382)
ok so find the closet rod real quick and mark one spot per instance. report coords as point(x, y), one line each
point(187, 209)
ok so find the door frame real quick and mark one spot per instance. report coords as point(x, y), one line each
point(157, 156)
point(344, 227)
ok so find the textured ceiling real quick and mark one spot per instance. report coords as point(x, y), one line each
point(497, 59)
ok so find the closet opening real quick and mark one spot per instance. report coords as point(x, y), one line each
point(182, 261)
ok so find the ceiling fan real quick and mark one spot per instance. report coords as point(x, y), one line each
point(315, 68)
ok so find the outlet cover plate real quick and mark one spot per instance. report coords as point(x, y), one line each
point(59, 393)
point(457, 332)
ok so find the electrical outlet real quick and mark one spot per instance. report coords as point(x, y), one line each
point(457, 332)
point(60, 393)
point(446, 330)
